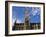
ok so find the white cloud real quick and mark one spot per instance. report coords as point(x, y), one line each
point(18, 21)
point(13, 20)
point(34, 12)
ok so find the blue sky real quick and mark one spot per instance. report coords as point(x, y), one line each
point(19, 13)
